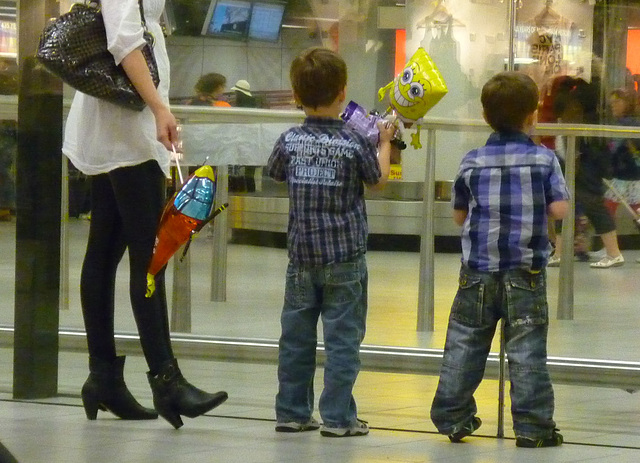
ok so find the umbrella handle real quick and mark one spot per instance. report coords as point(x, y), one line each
point(622, 199)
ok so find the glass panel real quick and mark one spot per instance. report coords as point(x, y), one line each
point(237, 266)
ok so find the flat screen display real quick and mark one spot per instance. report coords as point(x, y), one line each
point(266, 20)
point(228, 18)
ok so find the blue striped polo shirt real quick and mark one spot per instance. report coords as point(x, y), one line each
point(506, 187)
point(325, 164)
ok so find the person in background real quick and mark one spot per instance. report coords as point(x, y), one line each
point(243, 96)
point(209, 90)
point(8, 150)
point(505, 247)
point(578, 104)
point(625, 153)
point(8, 142)
point(125, 154)
point(326, 166)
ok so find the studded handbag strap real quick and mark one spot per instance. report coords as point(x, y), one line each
point(144, 23)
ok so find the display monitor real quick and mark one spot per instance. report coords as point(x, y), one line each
point(228, 19)
point(266, 21)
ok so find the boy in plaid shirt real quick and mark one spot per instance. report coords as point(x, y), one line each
point(502, 195)
point(325, 165)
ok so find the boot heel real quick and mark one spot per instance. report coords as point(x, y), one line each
point(90, 404)
point(174, 419)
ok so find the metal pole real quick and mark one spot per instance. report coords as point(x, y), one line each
point(426, 288)
point(219, 260)
point(501, 382)
point(512, 31)
point(181, 294)
point(501, 364)
point(64, 237)
point(565, 283)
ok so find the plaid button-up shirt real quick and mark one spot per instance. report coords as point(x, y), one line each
point(325, 164)
point(506, 187)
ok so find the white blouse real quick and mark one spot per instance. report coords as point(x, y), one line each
point(100, 136)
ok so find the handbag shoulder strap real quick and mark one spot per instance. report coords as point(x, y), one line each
point(144, 23)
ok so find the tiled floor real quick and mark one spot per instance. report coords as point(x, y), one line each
point(242, 430)
point(599, 424)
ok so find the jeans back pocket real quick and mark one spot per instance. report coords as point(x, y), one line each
point(527, 299)
point(467, 306)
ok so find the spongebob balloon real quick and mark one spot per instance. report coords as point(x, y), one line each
point(415, 91)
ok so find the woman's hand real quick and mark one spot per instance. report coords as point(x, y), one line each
point(166, 127)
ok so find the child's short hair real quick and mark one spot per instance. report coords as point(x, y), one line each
point(508, 98)
point(318, 75)
point(208, 83)
point(629, 98)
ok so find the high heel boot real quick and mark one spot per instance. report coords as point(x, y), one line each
point(106, 390)
point(174, 396)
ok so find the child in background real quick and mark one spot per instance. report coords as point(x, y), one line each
point(325, 165)
point(502, 195)
point(209, 90)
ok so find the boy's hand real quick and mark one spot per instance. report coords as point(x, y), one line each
point(387, 131)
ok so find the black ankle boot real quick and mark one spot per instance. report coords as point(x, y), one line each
point(105, 390)
point(174, 396)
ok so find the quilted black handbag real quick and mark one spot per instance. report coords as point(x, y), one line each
point(74, 48)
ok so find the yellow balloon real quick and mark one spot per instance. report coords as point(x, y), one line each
point(417, 89)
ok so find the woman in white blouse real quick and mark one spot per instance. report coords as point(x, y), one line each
point(126, 155)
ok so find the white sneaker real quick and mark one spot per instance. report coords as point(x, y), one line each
point(595, 256)
point(554, 261)
point(608, 261)
point(361, 428)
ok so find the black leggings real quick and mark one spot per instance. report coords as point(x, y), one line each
point(596, 211)
point(126, 205)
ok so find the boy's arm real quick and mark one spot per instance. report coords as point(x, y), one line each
point(276, 166)
point(558, 209)
point(459, 216)
point(556, 193)
point(387, 130)
point(460, 197)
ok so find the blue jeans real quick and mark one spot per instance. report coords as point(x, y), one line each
point(338, 294)
point(482, 300)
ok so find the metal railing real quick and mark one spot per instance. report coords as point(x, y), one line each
point(195, 115)
point(581, 371)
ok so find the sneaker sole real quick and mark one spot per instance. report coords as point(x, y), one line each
point(283, 429)
point(539, 444)
point(346, 434)
point(297, 429)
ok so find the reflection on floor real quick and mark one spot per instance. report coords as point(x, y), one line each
point(598, 423)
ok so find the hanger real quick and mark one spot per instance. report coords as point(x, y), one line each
point(548, 17)
point(439, 17)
